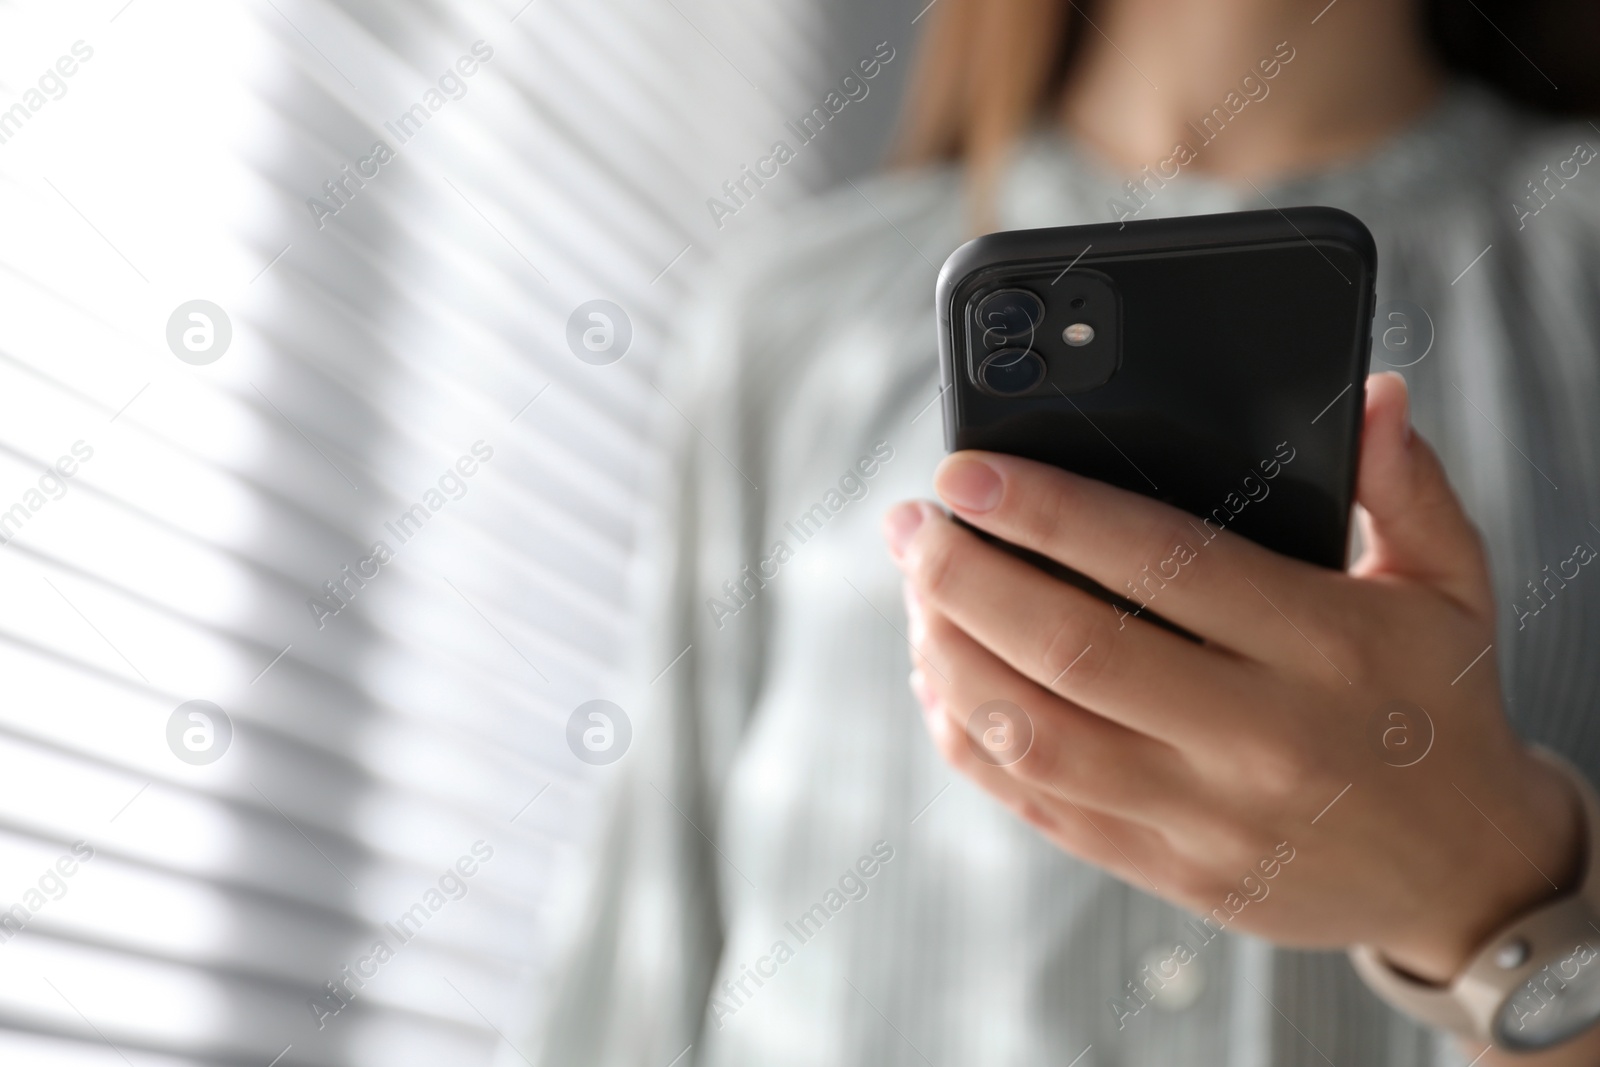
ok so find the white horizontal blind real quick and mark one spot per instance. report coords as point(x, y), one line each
point(398, 371)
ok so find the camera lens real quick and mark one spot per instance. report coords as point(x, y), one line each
point(1009, 315)
point(1011, 372)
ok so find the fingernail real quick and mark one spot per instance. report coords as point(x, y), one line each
point(1405, 407)
point(969, 484)
point(900, 525)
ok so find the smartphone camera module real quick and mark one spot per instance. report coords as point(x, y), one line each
point(1009, 315)
point(1037, 331)
point(1011, 372)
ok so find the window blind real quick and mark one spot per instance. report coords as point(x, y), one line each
point(314, 518)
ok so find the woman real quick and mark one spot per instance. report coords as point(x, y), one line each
point(794, 875)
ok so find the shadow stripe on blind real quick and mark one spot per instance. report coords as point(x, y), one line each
point(371, 756)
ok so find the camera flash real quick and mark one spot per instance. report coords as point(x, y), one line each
point(1078, 334)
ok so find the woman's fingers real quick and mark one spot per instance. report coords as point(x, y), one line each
point(1047, 743)
point(1074, 645)
point(1128, 850)
point(1190, 570)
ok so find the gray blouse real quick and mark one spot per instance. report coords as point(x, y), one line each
point(790, 874)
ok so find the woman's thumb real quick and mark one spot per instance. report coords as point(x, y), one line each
point(1411, 520)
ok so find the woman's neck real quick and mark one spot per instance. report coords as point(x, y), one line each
point(1151, 74)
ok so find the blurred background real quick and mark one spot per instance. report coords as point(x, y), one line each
point(240, 347)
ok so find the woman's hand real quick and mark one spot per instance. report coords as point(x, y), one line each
point(1247, 773)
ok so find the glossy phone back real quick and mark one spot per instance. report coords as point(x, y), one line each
point(1223, 371)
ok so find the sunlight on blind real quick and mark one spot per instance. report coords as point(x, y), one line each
point(193, 496)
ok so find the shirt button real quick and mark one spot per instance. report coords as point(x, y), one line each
point(1172, 976)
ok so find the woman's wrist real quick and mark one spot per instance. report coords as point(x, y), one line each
point(1533, 848)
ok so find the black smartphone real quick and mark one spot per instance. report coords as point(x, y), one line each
point(1215, 362)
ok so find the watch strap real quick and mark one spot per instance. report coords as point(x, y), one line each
point(1473, 1003)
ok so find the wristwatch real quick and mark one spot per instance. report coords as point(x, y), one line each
point(1536, 982)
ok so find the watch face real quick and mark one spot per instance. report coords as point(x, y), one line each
point(1559, 1000)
